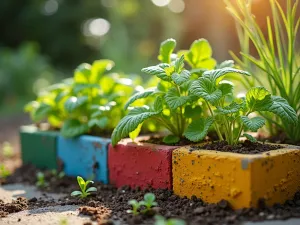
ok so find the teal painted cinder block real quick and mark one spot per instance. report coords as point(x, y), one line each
point(85, 156)
point(38, 147)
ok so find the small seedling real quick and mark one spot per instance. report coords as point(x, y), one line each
point(160, 220)
point(7, 150)
point(135, 207)
point(41, 181)
point(148, 202)
point(83, 186)
point(57, 175)
point(4, 172)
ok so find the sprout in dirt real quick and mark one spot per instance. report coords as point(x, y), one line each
point(83, 186)
point(148, 202)
point(4, 172)
point(160, 220)
point(135, 207)
point(41, 181)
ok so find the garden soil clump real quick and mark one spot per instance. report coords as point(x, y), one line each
point(17, 205)
point(246, 147)
point(110, 204)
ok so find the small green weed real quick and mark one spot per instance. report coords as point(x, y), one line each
point(7, 150)
point(83, 186)
point(148, 203)
point(41, 181)
point(160, 220)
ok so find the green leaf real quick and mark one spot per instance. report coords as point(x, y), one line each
point(179, 64)
point(74, 103)
point(253, 124)
point(81, 183)
point(181, 78)
point(171, 139)
point(198, 129)
point(73, 127)
point(149, 197)
point(99, 67)
point(258, 99)
point(91, 189)
point(226, 88)
point(198, 71)
point(174, 100)
point(226, 63)
point(158, 104)
point(82, 73)
point(130, 122)
point(157, 71)
point(166, 49)
point(232, 108)
point(192, 112)
point(101, 123)
point(213, 75)
point(42, 112)
point(281, 107)
point(199, 55)
point(205, 88)
point(83, 86)
point(75, 193)
point(249, 137)
point(143, 94)
point(134, 134)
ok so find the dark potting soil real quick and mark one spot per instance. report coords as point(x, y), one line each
point(246, 147)
point(110, 204)
point(159, 141)
point(17, 205)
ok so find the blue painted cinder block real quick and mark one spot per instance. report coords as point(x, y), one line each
point(85, 156)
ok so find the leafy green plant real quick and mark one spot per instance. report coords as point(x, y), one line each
point(4, 173)
point(90, 102)
point(229, 116)
point(135, 207)
point(41, 180)
point(278, 64)
point(160, 220)
point(170, 104)
point(83, 187)
point(148, 202)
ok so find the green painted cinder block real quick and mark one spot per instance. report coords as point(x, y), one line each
point(39, 147)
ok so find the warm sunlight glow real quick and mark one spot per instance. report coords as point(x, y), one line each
point(161, 3)
point(96, 27)
point(176, 6)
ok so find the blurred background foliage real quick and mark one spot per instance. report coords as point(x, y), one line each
point(43, 41)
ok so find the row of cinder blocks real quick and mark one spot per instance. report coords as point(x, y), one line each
point(239, 178)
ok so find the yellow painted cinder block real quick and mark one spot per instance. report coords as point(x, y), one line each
point(238, 178)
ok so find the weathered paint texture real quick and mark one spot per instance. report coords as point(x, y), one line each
point(240, 179)
point(84, 156)
point(140, 165)
point(38, 147)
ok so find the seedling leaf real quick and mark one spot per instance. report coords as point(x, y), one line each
point(198, 129)
point(253, 124)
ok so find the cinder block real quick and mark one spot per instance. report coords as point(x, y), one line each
point(241, 179)
point(84, 156)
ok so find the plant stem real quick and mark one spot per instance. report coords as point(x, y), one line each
point(216, 127)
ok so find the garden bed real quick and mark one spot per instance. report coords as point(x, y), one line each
point(110, 204)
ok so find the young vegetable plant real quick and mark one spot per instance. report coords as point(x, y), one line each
point(231, 118)
point(41, 180)
point(83, 187)
point(57, 175)
point(89, 102)
point(148, 202)
point(172, 106)
point(277, 64)
point(135, 207)
point(160, 220)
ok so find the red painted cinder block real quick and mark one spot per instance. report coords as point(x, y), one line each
point(140, 164)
